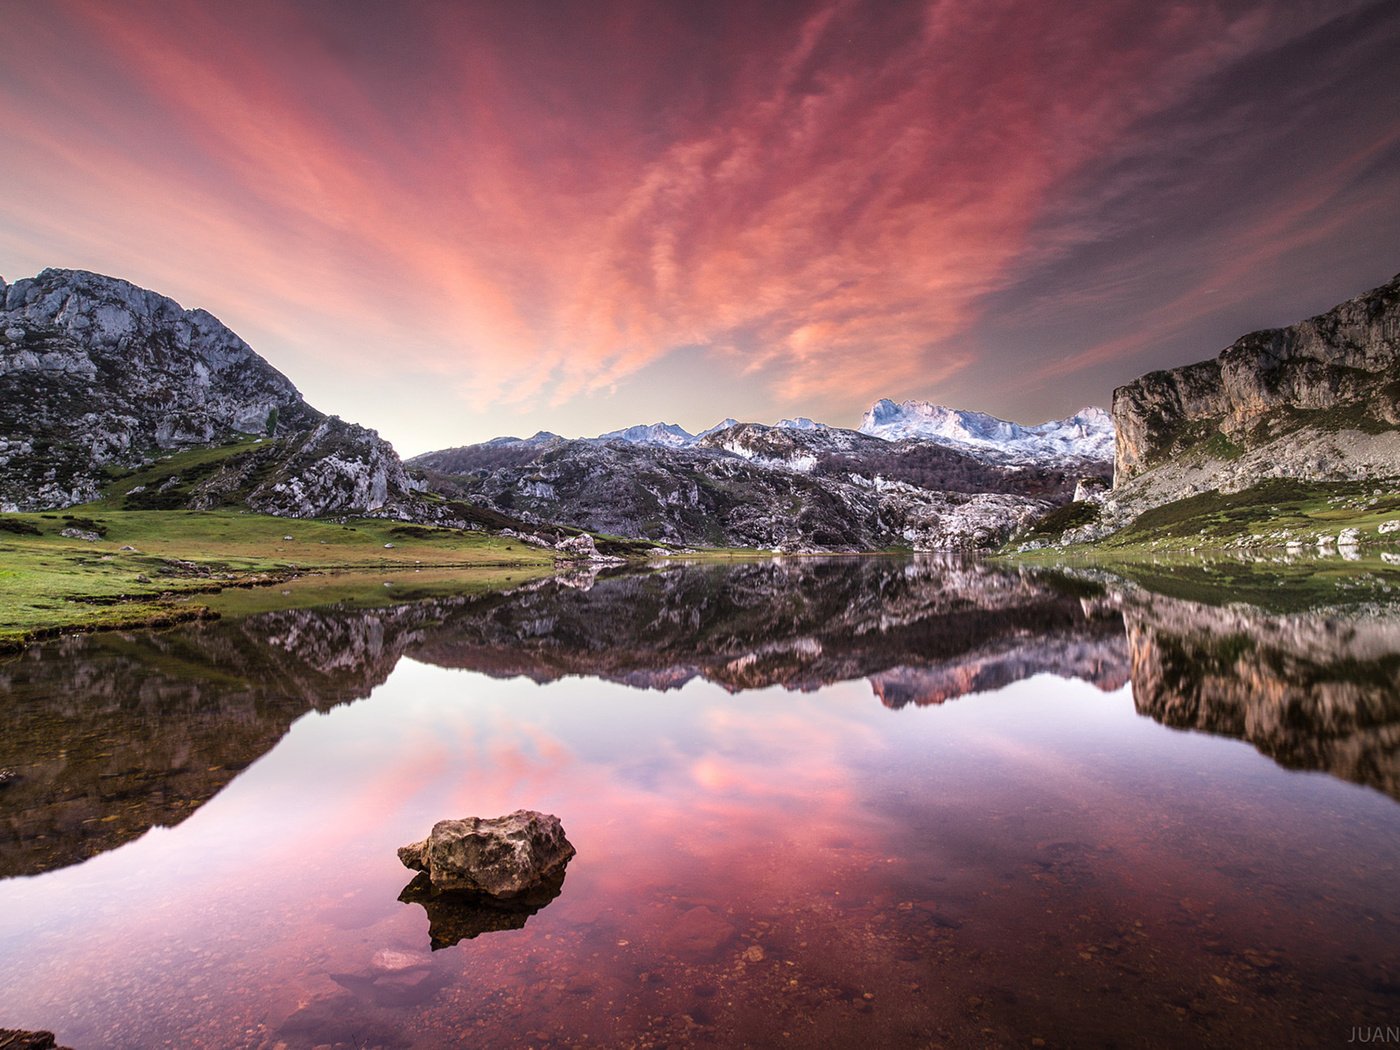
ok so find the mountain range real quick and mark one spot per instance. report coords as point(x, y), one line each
point(1086, 436)
point(99, 377)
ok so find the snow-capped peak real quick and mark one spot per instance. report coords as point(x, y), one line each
point(668, 434)
point(801, 423)
point(723, 424)
point(1088, 434)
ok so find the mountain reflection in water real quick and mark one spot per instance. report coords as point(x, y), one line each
point(756, 863)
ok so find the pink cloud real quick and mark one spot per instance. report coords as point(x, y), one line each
point(536, 218)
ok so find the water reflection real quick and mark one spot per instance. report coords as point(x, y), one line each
point(1311, 691)
point(772, 853)
point(110, 734)
point(454, 917)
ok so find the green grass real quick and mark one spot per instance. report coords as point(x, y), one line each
point(1219, 547)
point(1069, 516)
point(185, 564)
point(1269, 514)
point(179, 473)
point(50, 584)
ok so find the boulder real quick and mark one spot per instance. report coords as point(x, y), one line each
point(580, 546)
point(1091, 489)
point(497, 856)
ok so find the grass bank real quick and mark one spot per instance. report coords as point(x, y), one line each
point(127, 568)
point(1273, 514)
point(1274, 545)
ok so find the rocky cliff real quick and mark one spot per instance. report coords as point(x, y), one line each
point(97, 376)
point(1290, 390)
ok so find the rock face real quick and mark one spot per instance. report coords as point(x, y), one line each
point(497, 856)
point(1338, 372)
point(97, 374)
point(783, 488)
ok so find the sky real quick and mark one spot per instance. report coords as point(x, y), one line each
point(452, 220)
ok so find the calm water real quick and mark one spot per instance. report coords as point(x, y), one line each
point(841, 803)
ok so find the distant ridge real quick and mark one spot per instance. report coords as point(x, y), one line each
point(1085, 436)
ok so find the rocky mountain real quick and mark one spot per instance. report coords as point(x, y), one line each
point(800, 423)
point(97, 376)
point(1085, 436)
point(670, 435)
point(1232, 449)
point(1081, 441)
point(749, 485)
point(1319, 400)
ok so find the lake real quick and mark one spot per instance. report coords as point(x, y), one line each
point(816, 802)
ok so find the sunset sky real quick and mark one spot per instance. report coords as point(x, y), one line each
point(451, 220)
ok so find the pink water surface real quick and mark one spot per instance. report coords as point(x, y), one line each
point(761, 868)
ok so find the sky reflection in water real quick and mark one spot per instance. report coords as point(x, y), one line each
point(762, 866)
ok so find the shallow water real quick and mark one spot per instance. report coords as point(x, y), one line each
point(856, 802)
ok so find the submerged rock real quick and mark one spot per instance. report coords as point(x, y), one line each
point(498, 856)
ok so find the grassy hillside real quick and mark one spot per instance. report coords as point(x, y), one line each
point(1270, 514)
point(1277, 514)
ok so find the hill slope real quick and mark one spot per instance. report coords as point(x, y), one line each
point(98, 376)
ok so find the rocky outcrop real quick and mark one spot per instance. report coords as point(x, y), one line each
point(333, 467)
point(748, 485)
point(500, 857)
point(1336, 372)
point(98, 375)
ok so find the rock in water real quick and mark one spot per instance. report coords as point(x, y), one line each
point(498, 856)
